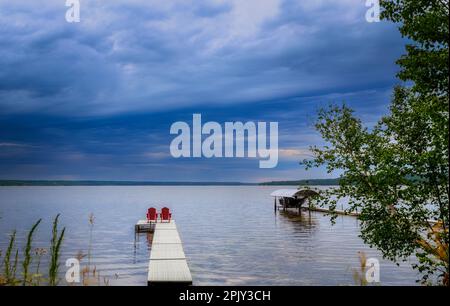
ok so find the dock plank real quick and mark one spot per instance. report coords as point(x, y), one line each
point(167, 251)
point(166, 236)
point(169, 271)
point(163, 226)
point(168, 262)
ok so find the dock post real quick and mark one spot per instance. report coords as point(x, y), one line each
point(275, 205)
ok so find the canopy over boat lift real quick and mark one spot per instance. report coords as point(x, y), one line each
point(292, 198)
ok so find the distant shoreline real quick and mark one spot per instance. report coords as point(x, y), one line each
point(150, 183)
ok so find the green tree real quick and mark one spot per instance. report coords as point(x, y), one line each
point(396, 173)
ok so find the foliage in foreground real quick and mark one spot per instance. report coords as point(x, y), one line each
point(8, 266)
point(9, 276)
point(397, 173)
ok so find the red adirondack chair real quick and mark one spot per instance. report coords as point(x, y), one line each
point(152, 215)
point(165, 214)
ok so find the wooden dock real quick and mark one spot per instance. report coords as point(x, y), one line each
point(143, 226)
point(337, 211)
point(317, 209)
point(168, 263)
point(327, 211)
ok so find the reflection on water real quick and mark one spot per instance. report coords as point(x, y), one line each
point(300, 220)
point(137, 243)
point(231, 235)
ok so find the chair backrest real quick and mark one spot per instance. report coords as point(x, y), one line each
point(151, 213)
point(165, 213)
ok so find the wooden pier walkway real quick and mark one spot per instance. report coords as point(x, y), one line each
point(168, 263)
point(318, 209)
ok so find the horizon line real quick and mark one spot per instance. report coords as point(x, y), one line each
point(48, 182)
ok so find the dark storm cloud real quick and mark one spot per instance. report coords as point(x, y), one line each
point(95, 99)
point(144, 56)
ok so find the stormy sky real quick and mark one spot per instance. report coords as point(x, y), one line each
point(95, 100)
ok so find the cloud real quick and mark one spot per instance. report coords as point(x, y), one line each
point(134, 56)
point(95, 100)
point(157, 155)
point(14, 145)
point(15, 149)
point(295, 154)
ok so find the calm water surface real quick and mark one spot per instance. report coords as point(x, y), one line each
point(231, 235)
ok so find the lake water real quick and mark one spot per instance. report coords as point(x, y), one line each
point(230, 234)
